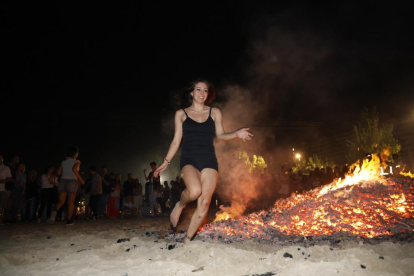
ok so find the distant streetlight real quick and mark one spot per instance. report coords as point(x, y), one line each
point(298, 156)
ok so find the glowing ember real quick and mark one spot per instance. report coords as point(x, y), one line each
point(363, 204)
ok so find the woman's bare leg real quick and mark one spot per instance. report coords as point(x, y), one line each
point(62, 199)
point(192, 182)
point(208, 185)
point(71, 204)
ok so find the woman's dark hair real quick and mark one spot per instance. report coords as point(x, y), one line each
point(72, 151)
point(190, 88)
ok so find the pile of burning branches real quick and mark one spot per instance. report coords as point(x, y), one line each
point(364, 204)
point(368, 209)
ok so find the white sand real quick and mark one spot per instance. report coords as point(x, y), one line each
point(26, 250)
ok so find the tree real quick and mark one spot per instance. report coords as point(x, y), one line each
point(312, 163)
point(258, 165)
point(317, 162)
point(371, 137)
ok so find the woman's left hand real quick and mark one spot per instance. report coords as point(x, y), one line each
point(160, 168)
point(244, 134)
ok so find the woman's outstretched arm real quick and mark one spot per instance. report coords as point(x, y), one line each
point(175, 144)
point(221, 135)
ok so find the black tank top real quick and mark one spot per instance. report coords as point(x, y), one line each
point(198, 138)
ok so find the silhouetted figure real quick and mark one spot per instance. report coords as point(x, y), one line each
point(138, 198)
point(30, 197)
point(47, 193)
point(114, 200)
point(18, 188)
point(96, 193)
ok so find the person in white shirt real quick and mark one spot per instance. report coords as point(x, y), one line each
point(48, 182)
point(5, 176)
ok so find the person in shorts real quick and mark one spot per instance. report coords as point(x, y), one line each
point(68, 184)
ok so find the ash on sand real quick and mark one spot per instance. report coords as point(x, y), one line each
point(92, 248)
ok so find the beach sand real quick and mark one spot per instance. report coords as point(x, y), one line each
point(92, 248)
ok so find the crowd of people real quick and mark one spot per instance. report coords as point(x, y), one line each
point(53, 196)
point(290, 182)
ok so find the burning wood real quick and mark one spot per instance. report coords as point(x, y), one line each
point(364, 204)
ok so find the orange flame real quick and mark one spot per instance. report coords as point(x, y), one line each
point(407, 174)
point(369, 171)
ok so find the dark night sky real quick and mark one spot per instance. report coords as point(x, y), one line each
point(102, 76)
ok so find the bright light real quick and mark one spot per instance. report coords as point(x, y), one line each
point(297, 155)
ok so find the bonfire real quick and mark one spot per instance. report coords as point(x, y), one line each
point(364, 204)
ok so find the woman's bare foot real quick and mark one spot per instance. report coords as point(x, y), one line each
point(186, 239)
point(175, 214)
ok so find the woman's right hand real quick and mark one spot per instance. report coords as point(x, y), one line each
point(244, 134)
point(160, 168)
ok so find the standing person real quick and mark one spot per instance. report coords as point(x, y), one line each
point(113, 205)
point(47, 196)
point(118, 180)
point(5, 176)
point(283, 180)
point(18, 190)
point(315, 180)
point(96, 193)
point(87, 191)
point(337, 172)
point(30, 197)
point(175, 193)
point(197, 125)
point(106, 192)
point(329, 176)
point(68, 184)
point(165, 197)
point(127, 190)
point(155, 181)
point(8, 197)
point(158, 198)
point(138, 199)
point(147, 193)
